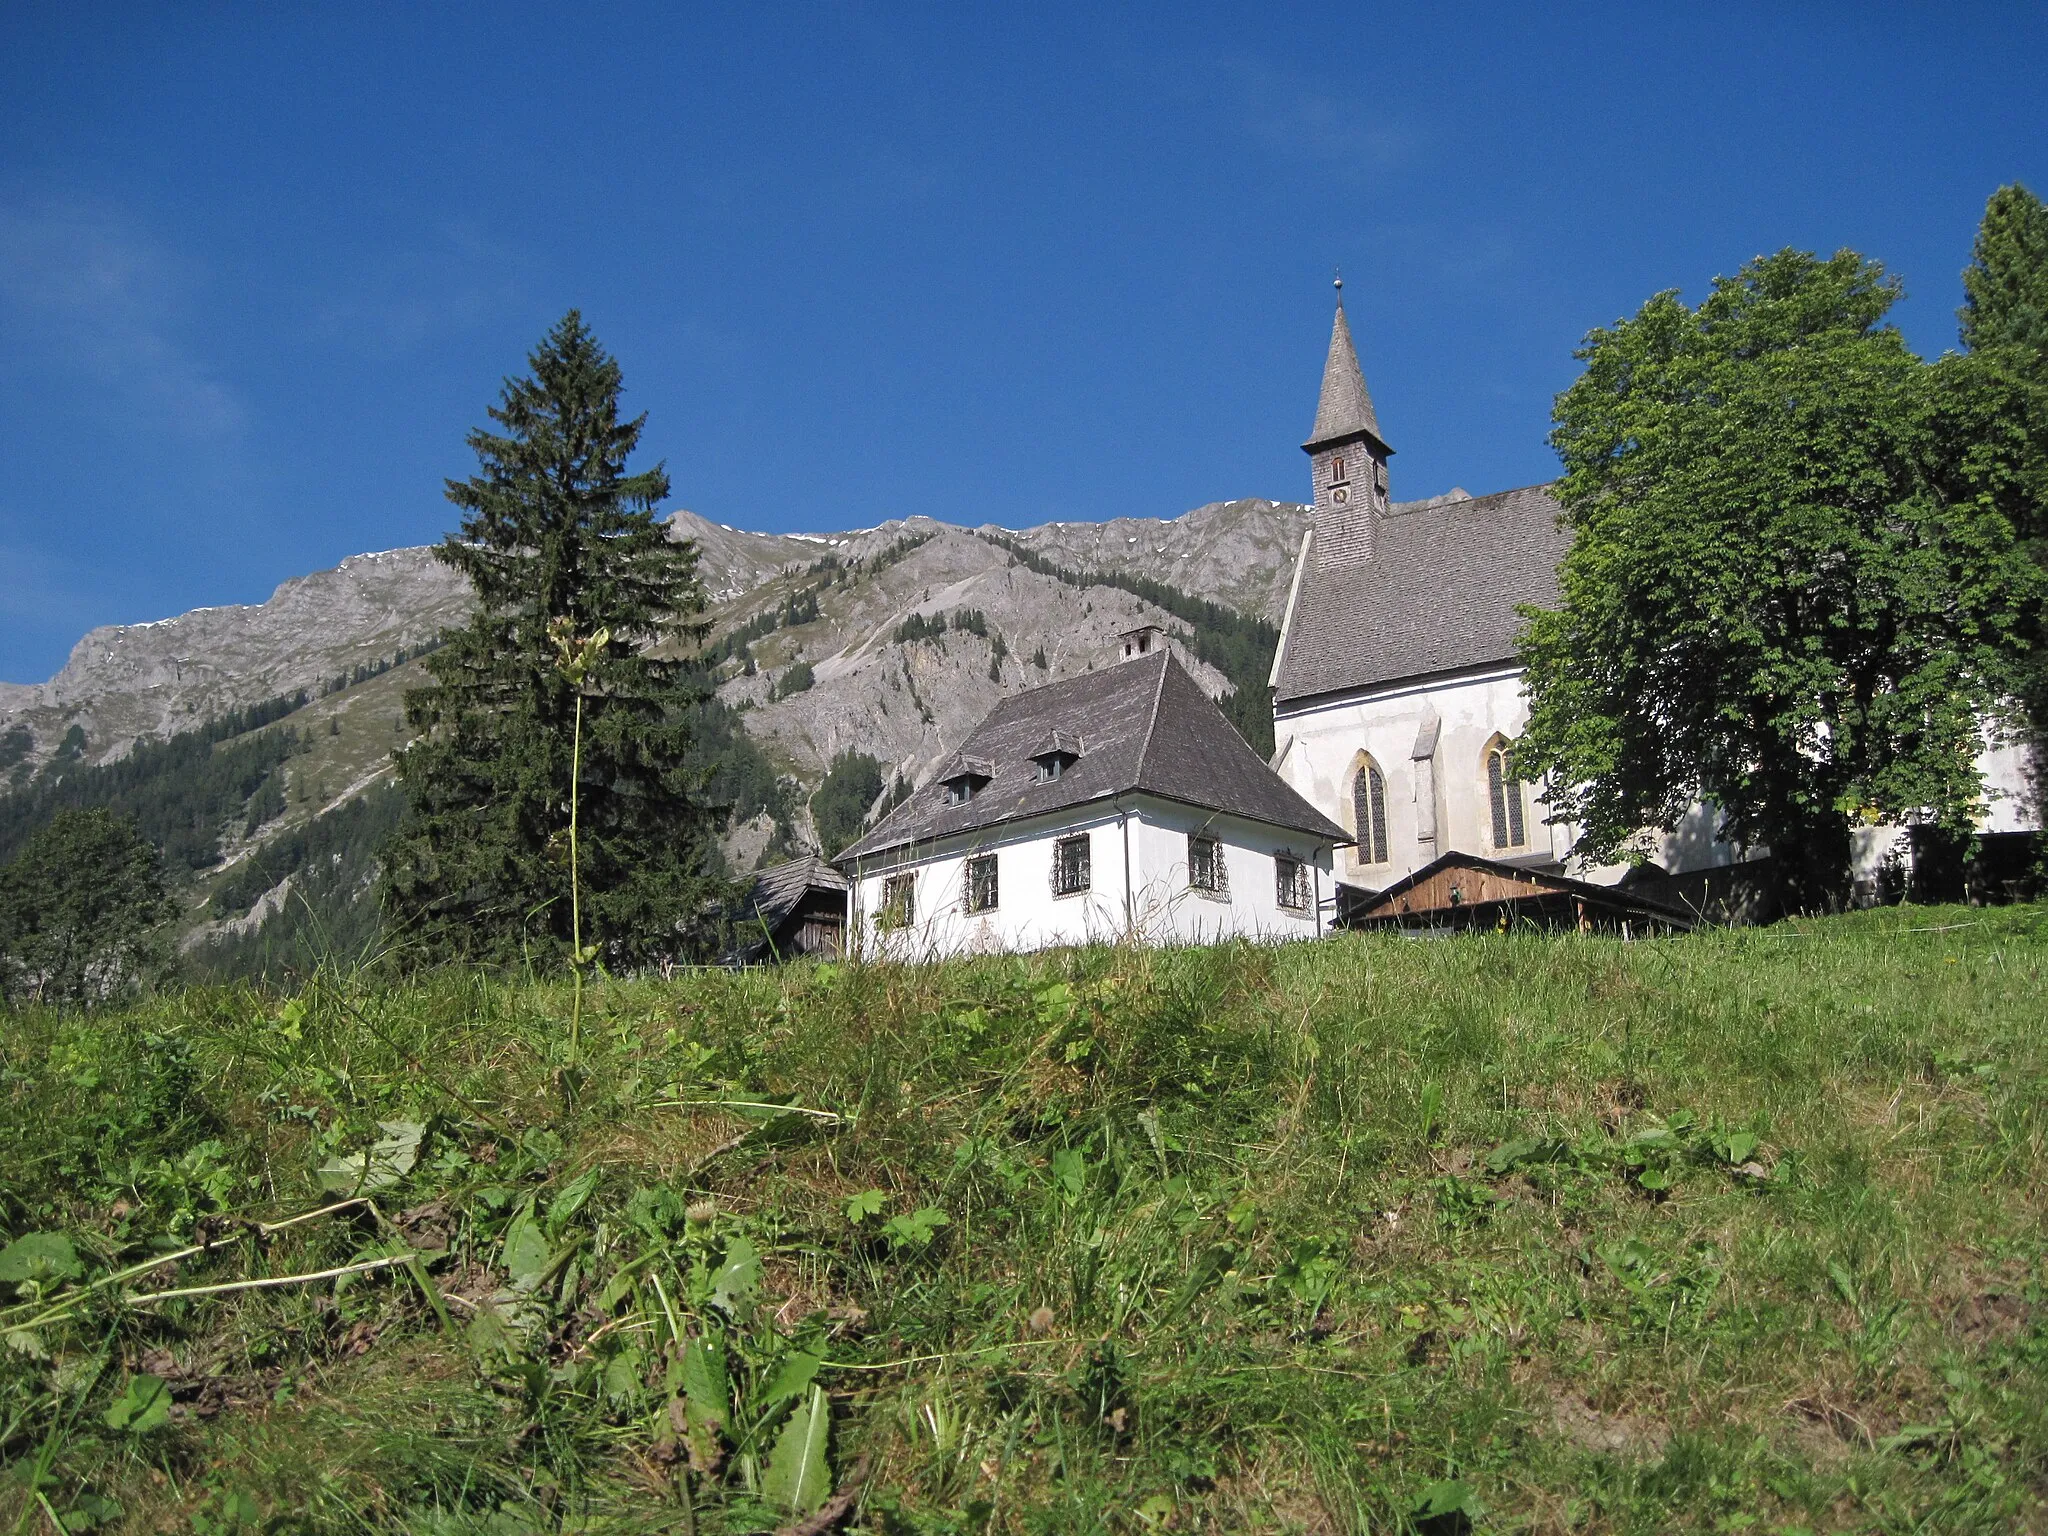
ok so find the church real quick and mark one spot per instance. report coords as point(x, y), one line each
point(1397, 691)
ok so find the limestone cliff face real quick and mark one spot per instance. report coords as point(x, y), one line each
point(1240, 553)
point(123, 681)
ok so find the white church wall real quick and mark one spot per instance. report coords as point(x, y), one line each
point(1322, 744)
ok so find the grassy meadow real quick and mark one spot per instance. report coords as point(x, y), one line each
point(1742, 1231)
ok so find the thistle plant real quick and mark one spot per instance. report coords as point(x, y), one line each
point(574, 657)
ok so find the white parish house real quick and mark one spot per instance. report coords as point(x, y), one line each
point(1117, 804)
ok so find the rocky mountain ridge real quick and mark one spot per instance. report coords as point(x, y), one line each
point(900, 701)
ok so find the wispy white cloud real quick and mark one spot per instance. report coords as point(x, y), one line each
point(1298, 118)
point(84, 290)
point(454, 280)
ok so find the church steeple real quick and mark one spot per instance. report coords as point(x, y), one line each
point(1347, 455)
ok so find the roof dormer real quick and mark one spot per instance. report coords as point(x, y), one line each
point(1059, 752)
point(966, 777)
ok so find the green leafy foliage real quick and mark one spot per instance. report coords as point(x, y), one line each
point(385, 1162)
point(82, 906)
point(557, 533)
point(2005, 286)
point(144, 1404)
point(1796, 588)
point(39, 1259)
point(799, 1475)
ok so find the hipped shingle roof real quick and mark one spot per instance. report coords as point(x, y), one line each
point(1144, 725)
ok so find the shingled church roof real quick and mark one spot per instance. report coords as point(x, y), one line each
point(1437, 595)
point(1344, 409)
point(1142, 726)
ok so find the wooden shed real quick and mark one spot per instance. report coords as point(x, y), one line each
point(794, 909)
point(1460, 892)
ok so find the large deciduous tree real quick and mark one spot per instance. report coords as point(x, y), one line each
point(1796, 587)
point(559, 539)
point(82, 911)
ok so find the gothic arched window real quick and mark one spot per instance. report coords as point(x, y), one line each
point(1369, 810)
point(1504, 795)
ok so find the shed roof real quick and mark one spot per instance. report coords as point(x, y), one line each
point(1144, 726)
point(1437, 594)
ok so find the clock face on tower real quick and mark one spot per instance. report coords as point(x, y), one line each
point(1340, 494)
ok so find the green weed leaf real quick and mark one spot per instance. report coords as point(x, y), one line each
point(792, 1380)
point(144, 1405)
point(1432, 1107)
point(1070, 1171)
point(705, 1383)
point(915, 1230)
point(1450, 1497)
point(40, 1258)
point(707, 1401)
point(738, 1278)
point(865, 1204)
point(527, 1251)
point(1845, 1283)
point(571, 1200)
point(387, 1160)
point(799, 1476)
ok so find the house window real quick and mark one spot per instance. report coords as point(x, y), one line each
point(981, 883)
point(961, 790)
point(1205, 864)
point(1369, 810)
point(1070, 868)
point(1290, 882)
point(1336, 471)
point(1504, 794)
point(899, 902)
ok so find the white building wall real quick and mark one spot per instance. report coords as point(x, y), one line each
point(1320, 745)
point(1168, 910)
point(1161, 906)
point(1027, 914)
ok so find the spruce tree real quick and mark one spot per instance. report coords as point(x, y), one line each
point(2005, 285)
point(2005, 325)
point(557, 536)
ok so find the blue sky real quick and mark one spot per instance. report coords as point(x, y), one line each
point(261, 267)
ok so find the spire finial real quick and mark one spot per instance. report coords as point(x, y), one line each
point(1340, 287)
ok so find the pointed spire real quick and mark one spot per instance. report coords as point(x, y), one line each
point(1345, 409)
